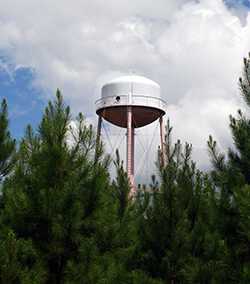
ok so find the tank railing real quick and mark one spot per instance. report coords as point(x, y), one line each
point(120, 100)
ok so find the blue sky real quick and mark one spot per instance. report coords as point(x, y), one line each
point(246, 3)
point(24, 104)
point(193, 49)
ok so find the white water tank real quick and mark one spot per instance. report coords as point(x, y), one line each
point(143, 94)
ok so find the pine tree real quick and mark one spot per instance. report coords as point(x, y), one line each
point(240, 128)
point(232, 178)
point(175, 242)
point(54, 197)
point(18, 259)
point(7, 144)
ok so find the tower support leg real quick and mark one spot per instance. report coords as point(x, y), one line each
point(98, 137)
point(162, 137)
point(130, 150)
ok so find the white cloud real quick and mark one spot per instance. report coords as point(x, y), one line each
point(194, 49)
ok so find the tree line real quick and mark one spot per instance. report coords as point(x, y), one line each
point(63, 220)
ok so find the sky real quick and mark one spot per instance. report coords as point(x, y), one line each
point(193, 49)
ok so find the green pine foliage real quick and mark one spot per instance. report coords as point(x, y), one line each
point(54, 195)
point(176, 238)
point(7, 144)
point(231, 178)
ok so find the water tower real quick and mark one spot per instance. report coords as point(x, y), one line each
point(131, 102)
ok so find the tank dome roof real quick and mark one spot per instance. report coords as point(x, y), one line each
point(133, 79)
point(134, 84)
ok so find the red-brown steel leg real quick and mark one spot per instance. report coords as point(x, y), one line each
point(130, 150)
point(162, 136)
point(98, 136)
